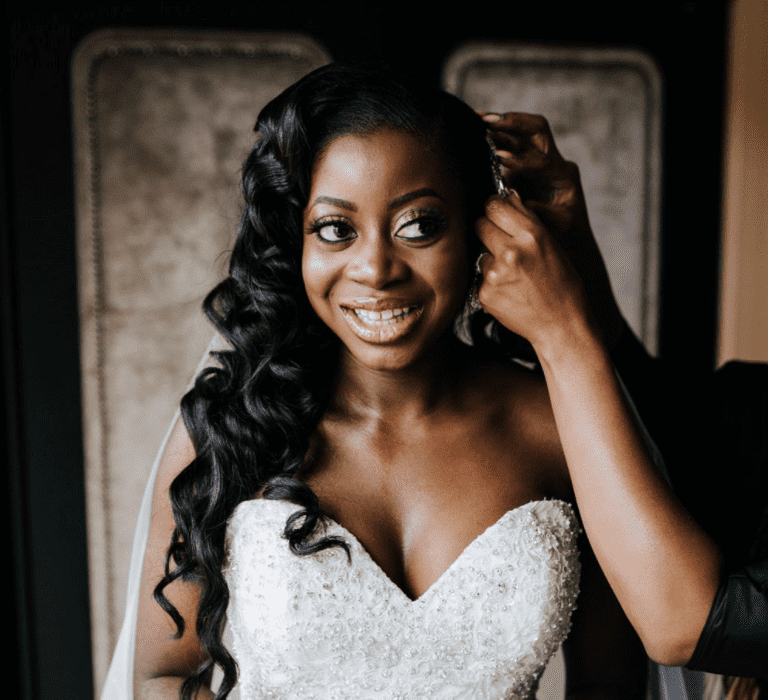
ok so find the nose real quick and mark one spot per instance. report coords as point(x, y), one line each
point(377, 263)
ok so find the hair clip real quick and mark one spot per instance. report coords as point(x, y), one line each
point(498, 179)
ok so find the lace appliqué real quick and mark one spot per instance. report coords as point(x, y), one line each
point(318, 627)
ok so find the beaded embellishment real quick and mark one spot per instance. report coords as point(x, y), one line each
point(320, 627)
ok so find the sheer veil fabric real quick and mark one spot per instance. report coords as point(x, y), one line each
point(119, 682)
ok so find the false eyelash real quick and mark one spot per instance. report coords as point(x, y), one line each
point(318, 225)
point(426, 215)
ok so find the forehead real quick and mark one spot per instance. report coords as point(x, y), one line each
point(381, 163)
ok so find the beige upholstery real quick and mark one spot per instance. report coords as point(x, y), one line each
point(163, 121)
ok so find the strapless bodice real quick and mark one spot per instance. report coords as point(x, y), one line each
point(324, 626)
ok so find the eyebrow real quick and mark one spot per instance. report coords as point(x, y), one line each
point(416, 194)
point(397, 202)
point(343, 203)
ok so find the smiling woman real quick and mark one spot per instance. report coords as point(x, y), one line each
point(385, 257)
point(359, 504)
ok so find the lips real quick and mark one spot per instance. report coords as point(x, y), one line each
point(380, 321)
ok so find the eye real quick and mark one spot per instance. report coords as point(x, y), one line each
point(333, 230)
point(421, 226)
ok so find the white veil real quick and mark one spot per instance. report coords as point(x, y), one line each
point(119, 681)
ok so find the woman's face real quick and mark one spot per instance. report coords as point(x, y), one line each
point(384, 257)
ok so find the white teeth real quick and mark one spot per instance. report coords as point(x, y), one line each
point(387, 316)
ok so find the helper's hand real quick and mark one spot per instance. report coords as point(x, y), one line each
point(528, 282)
point(550, 187)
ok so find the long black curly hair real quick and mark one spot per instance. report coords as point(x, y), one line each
point(251, 417)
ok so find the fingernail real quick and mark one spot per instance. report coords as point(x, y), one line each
point(504, 154)
point(491, 117)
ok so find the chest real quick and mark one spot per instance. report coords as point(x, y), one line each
point(416, 498)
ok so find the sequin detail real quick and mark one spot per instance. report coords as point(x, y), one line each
point(319, 627)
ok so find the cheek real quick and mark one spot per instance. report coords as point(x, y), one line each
point(459, 283)
point(318, 272)
point(456, 272)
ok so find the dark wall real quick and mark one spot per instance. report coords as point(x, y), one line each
point(45, 510)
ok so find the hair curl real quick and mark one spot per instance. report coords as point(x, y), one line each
point(250, 418)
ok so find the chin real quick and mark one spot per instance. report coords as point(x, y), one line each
point(383, 359)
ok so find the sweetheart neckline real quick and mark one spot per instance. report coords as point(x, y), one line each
point(527, 507)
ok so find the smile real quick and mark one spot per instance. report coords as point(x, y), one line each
point(387, 316)
point(384, 326)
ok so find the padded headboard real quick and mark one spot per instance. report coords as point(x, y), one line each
point(163, 122)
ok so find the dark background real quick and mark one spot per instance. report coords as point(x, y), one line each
point(44, 493)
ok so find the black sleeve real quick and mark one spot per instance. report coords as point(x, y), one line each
point(734, 640)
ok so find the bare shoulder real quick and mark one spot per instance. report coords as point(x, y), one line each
point(517, 390)
point(520, 396)
point(179, 452)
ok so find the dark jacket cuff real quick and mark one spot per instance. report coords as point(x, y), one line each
point(734, 640)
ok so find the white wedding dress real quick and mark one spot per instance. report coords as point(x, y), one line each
point(320, 627)
point(323, 626)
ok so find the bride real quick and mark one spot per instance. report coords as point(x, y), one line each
point(358, 503)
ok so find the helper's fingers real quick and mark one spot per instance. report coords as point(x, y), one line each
point(532, 128)
point(508, 218)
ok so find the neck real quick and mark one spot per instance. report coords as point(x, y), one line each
point(395, 395)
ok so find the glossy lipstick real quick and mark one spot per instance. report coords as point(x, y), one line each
point(381, 321)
